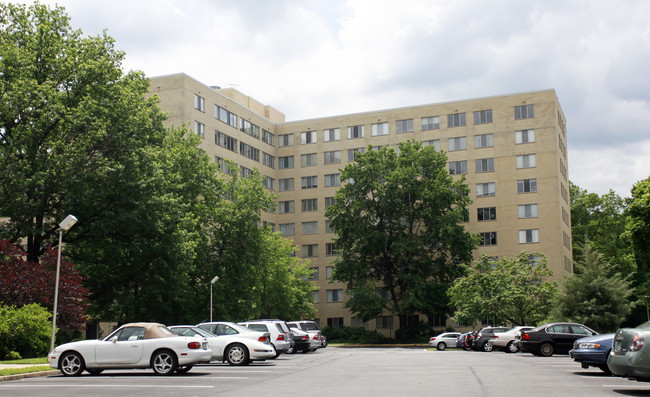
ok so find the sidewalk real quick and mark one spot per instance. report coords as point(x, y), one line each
point(27, 375)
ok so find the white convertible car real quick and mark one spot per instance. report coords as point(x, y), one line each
point(234, 348)
point(135, 345)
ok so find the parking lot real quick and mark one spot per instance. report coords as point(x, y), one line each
point(353, 371)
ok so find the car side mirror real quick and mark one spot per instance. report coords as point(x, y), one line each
point(114, 339)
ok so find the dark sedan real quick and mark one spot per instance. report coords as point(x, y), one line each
point(592, 351)
point(552, 338)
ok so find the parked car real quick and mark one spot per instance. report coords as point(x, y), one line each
point(630, 355)
point(444, 340)
point(281, 337)
point(302, 341)
point(482, 338)
point(552, 338)
point(312, 329)
point(231, 348)
point(593, 351)
point(465, 340)
point(506, 340)
point(134, 345)
point(227, 328)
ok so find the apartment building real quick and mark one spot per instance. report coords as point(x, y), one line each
point(511, 148)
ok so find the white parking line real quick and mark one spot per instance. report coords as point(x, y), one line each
point(95, 385)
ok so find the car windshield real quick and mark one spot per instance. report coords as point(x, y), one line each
point(310, 327)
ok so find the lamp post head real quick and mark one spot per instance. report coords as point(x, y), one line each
point(214, 280)
point(68, 222)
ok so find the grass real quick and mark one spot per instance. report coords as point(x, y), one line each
point(16, 371)
point(40, 360)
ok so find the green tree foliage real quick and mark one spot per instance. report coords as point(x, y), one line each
point(400, 240)
point(594, 295)
point(25, 330)
point(514, 291)
point(638, 232)
point(600, 221)
point(23, 283)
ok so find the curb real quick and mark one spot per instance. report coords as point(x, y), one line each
point(28, 375)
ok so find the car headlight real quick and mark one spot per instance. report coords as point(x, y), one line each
point(588, 345)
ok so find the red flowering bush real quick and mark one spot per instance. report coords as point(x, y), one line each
point(23, 283)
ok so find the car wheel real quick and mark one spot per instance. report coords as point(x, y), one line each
point(487, 347)
point(237, 354)
point(184, 369)
point(164, 362)
point(95, 371)
point(605, 369)
point(511, 348)
point(72, 364)
point(546, 349)
point(441, 346)
point(277, 354)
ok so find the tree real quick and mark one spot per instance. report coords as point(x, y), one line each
point(23, 283)
point(638, 232)
point(399, 234)
point(601, 221)
point(595, 296)
point(514, 291)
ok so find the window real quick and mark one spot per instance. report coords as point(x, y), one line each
point(524, 136)
point(223, 115)
point(528, 211)
point(285, 140)
point(489, 238)
point(333, 157)
point(225, 141)
point(285, 184)
point(317, 296)
point(526, 161)
point(223, 165)
point(328, 272)
point(458, 143)
point(329, 249)
point(267, 137)
point(309, 250)
point(308, 160)
point(249, 151)
point(384, 322)
point(524, 112)
point(379, 129)
point(328, 228)
point(529, 236)
point(402, 126)
point(335, 322)
point(245, 172)
point(329, 201)
point(199, 129)
point(310, 227)
point(309, 182)
point(458, 167)
point(332, 180)
point(487, 214)
point(287, 207)
point(485, 189)
point(287, 229)
point(309, 205)
point(332, 134)
point(315, 273)
point(285, 162)
point(432, 142)
point(334, 295)
point(455, 120)
point(268, 160)
point(527, 186)
point(485, 165)
point(251, 129)
point(270, 225)
point(484, 140)
point(351, 153)
point(430, 123)
point(199, 103)
point(307, 137)
point(355, 131)
point(483, 116)
point(269, 183)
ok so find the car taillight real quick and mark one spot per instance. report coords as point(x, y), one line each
point(316, 337)
point(525, 336)
point(494, 337)
point(194, 345)
point(637, 343)
point(262, 338)
point(280, 337)
point(432, 339)
point(305, 337)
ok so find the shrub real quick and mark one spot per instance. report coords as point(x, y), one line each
point(24, 331)
point(354, 335)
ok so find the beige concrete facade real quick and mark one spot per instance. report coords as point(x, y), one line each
point(519, 141)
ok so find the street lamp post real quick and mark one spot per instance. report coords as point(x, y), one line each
point(64, 226)
point(214, 280)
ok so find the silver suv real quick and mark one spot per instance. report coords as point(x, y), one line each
point(281, 336)
point(317, 339)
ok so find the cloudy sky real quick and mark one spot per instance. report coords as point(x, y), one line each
point(315, 58)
